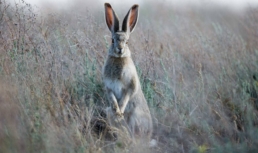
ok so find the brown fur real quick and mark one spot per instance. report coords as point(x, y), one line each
point(116, 67)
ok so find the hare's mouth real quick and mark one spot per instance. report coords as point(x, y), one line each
point(120, 52)
point(119, 55)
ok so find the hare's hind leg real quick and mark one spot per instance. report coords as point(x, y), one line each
point(140, 124)
point(131, 124)
point(119, 123)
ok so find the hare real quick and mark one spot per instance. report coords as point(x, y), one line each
point(122, 85)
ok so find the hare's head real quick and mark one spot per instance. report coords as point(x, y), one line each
point(120, 37)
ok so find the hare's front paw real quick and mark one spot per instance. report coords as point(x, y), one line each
point(118, 112)
point(119, 117)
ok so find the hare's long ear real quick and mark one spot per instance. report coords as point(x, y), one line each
point(111, 18)
point(130, 19)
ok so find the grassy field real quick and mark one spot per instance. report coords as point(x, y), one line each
point(198, 68)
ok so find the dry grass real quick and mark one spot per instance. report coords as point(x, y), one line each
point(198, 68)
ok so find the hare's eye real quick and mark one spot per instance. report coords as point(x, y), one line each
point(126, 42)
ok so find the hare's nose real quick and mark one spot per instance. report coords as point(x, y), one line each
point(119, 50)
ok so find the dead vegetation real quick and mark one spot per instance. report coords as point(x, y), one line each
point(198, 69)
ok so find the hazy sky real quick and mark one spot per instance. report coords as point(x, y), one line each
point(235, 4)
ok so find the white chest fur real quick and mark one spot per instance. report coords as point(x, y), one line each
point(115, 85)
